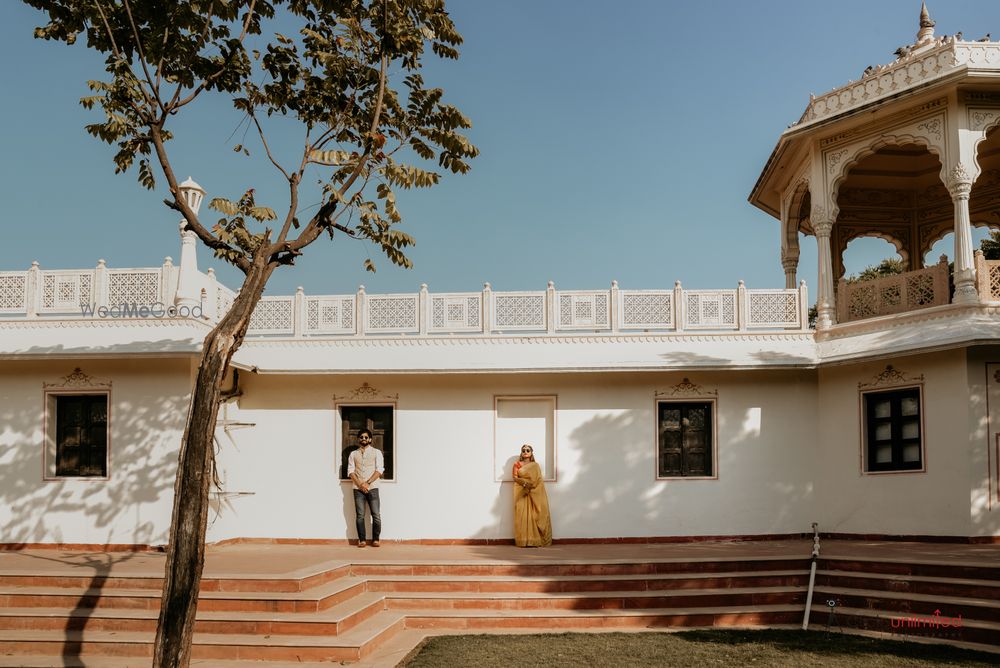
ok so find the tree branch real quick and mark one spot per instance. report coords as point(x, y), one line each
point(179, 204)
point(267, 149)
point(142, 61)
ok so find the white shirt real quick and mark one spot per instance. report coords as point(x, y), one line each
point(365, 461)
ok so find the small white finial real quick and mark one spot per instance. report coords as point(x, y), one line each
point(741, 284)
point(486, 286)
point(926, 31)
point(34, 264)
point(551, 285)
point(677, 284)
point(101, 262)
point(300, 290)
point(614, 284)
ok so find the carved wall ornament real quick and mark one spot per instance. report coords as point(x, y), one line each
point(833, 161)
point(366, 392)
point(78, 380)
point(933, 127)
point(890, 377)
point(686, 388)
point(959, 181)
point(981, 119)
point(870, 129)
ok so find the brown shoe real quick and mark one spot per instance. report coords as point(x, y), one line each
point(362, 543)
point(375, 543)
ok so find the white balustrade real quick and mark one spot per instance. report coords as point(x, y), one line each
point(13, 291)
point(273, 315)
point(773, 309)
point(646, 309)
point(60, 293)
point(580, 309)
point(330, 315)
point(132, 286)
point(455, 312)
point(710, 309)
point(515, 311)
point(392, 313)
point(66, 291)
point(987, 278)
point(909, 291)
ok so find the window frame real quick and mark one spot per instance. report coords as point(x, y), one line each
point(713, 404)
point(551, 472)
point(338, 436)
point(50, 433)
point(865, 436)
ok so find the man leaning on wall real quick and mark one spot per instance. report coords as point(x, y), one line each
point(364, 467)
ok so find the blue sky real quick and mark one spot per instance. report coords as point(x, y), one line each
point(619, 141)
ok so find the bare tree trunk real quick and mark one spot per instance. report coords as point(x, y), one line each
point(186, 551)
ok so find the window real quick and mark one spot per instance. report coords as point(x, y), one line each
point(524, 419)
point(893, 431)
point(79, 427)
point(685, 444)
point(379, 419)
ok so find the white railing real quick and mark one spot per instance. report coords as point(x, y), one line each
point(909, 291)
point(987, 278)
point(60, 294)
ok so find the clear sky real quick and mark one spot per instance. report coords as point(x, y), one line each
point(619, 141)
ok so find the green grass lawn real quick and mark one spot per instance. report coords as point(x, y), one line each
point(688, 649)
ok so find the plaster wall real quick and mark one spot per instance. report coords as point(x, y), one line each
point(934, 501)
point(147, 409)
point(281, 475)
point(984, 439)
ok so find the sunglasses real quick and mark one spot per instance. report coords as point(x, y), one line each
point(525, 449)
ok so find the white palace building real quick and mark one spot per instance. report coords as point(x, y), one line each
point(663, 414)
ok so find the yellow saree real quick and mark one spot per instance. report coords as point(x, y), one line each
point(532, 524)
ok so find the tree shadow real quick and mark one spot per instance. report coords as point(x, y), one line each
point(128, 510)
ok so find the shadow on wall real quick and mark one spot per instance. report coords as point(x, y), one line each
point(119, 510)
point(613, 490)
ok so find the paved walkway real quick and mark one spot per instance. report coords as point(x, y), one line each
point(250, 560)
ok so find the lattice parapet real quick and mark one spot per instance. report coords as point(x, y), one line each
point(519, 310)
point(909, 291)
point(224, 299)
point(133, 286)
point(648, 309)
point(330, 315)
point(273, 315)
point(13, 292)
point(993, 271)
point(773, 308)
point(584, 310)
point(392, 313)
point(66, 291)
point(459, 312)
point(710, 309)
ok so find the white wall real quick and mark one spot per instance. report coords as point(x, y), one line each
point(283, 472)
point(933, 502)
point(148, 407)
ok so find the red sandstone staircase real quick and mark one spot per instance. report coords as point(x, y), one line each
point(909, 600)
point(345, 613)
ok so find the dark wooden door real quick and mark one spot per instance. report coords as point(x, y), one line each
point(376, 418)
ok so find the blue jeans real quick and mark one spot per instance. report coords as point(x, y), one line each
point(371, 498)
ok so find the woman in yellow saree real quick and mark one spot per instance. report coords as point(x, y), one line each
point(532, 524)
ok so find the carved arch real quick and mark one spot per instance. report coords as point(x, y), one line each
point(926, 132)
point(983, 121)
point(844, 241)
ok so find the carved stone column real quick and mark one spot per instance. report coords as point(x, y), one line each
point(790, 263)
point(960, 185)
point(823, 225)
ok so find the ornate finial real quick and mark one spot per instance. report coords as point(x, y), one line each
point(926, 25)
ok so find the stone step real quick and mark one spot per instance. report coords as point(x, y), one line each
point(907, 625)
point(742, 616)
point(915, 584)
point(916, 567)
point(904, 602)
point(242, 583)
point(318, 598)
point(336, 620)
point(695, 598)
point(354, 645)
point(584, 583)
point(590, 568)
